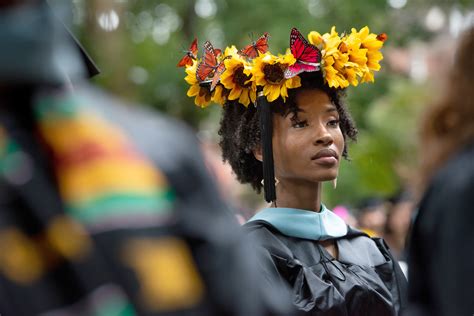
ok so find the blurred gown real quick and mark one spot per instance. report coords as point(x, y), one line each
point(441, 252)
point(364, 280)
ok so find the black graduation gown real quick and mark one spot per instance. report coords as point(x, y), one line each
point(364, 280)
point(441, 252)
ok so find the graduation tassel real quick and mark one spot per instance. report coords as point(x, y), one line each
point(266, 130)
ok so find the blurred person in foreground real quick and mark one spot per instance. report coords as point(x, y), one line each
point(284, 129)
point(441, 256)
point(104, 209)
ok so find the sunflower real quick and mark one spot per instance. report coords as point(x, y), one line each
point(356, 53)
point(334, 57)
point(356, 58)
point(201, 93)
point(371, 43)
point(237, 78)
point(350, 59)
point(220, 95)
point(269, 72)
point(315, 38)
point(333, 75)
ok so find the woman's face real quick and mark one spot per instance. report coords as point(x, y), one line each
point(308, 148)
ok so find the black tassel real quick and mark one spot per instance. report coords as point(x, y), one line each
point(266, 132)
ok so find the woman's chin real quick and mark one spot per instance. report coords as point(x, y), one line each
point(327, 176)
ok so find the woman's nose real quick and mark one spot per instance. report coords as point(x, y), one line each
point(323, 137)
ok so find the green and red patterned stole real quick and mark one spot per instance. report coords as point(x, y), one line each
point(103, 180)
point(105, 185)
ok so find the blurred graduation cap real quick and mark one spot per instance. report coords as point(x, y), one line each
point(92, 69)
point(37, 47)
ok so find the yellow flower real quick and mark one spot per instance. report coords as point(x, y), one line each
point(348, 59)
point(202, 94)
point(334, 58)
point(333, 77)
point(219, 95)
point(231, 51)
point(369, 40)
point(238, 78)
point(373, 59)
point(352, 72)
point(269, 72)
point(356, 53)
point(315, 38)
point(372, 44)
point(368, 77)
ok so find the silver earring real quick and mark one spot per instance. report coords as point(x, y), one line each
point(334, 183)
point(276, 182)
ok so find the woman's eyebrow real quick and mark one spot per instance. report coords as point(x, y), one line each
point(331, 109)
point(294, 112)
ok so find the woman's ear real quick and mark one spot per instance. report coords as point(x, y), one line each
point(257, 153)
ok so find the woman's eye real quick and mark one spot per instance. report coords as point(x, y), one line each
point(300, 124)
point(334, 123)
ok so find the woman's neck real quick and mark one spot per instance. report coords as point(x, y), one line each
point(301, 195)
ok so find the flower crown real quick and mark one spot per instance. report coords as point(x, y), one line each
point(346, 59)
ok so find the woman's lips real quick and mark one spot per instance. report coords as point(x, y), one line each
point(327, 161)
point(327, 157)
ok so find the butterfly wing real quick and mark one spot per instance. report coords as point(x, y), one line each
point(261, 44)
point(193, 48)
point(191, 55)
point(249, 51)
point(298, 68)
point(203, 71)
point(210, 56)
point(208, 64)
point(302, 50)
point(217, 75)
point(307, 56)
point(185, 61)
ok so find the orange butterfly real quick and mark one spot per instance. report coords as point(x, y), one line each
point(210, 67)
point(191, 55)
point(260, 46)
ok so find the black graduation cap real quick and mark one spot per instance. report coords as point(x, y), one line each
point(266, 133)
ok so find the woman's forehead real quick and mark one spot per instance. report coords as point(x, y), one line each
point(311, 100)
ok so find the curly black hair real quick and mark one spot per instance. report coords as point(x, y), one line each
point(240, 130)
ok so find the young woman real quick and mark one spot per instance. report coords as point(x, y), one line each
point(284, 128)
